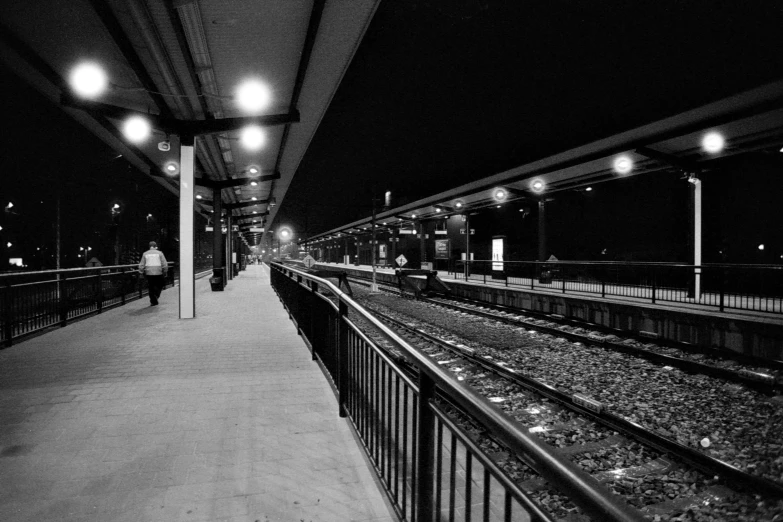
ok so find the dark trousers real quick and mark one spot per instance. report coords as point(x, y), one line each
point(155, 284)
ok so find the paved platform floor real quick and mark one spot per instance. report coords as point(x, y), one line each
point(135, 415)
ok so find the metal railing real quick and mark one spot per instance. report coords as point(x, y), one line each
point(34, 301)
point(740, 287)
point(429, 466)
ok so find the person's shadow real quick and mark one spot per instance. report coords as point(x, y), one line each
point(144, 311)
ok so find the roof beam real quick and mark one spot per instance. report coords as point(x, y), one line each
point(307, 51)
point(120, 38)
point(171, 125)
point(668, 159)
point(235, 182)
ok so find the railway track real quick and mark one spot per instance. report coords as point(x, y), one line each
point(657, 468)
point(764, 376)
point(659, 478)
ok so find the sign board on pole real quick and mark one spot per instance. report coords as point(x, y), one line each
point(309, 261)
point(442, 248)
point(256, 229)
point(401, 260)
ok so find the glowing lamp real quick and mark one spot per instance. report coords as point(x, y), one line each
point(713, 142)
point(252, 137)
point(623, 165)
point(136, 129)
point(88, 80)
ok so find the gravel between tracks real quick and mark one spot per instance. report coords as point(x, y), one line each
point(725, 420)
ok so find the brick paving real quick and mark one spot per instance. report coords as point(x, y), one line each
point(135, 415)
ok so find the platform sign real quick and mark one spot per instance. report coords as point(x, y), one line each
point(256, 229)
point(442, 249)
point(401, 260)
point(309, 261)
point(472, 231)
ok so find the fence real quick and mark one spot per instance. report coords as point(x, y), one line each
point(740, 287)
point(429, 466)
point(33, 301)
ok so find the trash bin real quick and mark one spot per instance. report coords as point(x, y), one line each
point(216, 281)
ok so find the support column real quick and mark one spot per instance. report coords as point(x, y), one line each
point(422, 243)
point(217, 240)
point(229, 246)
point(696, 192)
point(467, 244)
point(187, 281)
point(541, 230)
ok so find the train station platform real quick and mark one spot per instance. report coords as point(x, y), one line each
point(135, 415)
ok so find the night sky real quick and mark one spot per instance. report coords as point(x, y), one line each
point(441, 93)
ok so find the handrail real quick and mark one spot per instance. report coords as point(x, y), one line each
point(587, 493)
point(70, 270)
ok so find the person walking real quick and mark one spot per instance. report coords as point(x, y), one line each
point(154, 266)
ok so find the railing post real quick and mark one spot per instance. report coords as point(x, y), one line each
point(343, 364)
point(653, 284)
point(8, 315)
point(64, 300)
point(425, 463)
point(723, 278)
point(533, 275)
point(99, 293)
point(123, 285)
point(311, 312)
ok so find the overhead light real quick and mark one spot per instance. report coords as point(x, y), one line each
point(589, 189)
point(254, 183)
point(413, 216)
point(437, 209)
point(500, 195)
point(537, 185)
point(172, 167)
point(622, 164)
point(253, 96)
point(761, 246)
point(713, 142)
point(253, 170)
point(198, 196)
point(136, 129)
point(88, 80)
point(252, 137)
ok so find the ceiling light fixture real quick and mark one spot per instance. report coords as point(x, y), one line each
point(622, 165)
point(252, 137)
point(89, 80)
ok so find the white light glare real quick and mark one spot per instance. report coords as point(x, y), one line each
point(623, 165)
point(713, 142)
point(537, 185)
point(761, 246)
point(88, 80)
point(253, 137)
point(136, 129)
point(253, 96)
